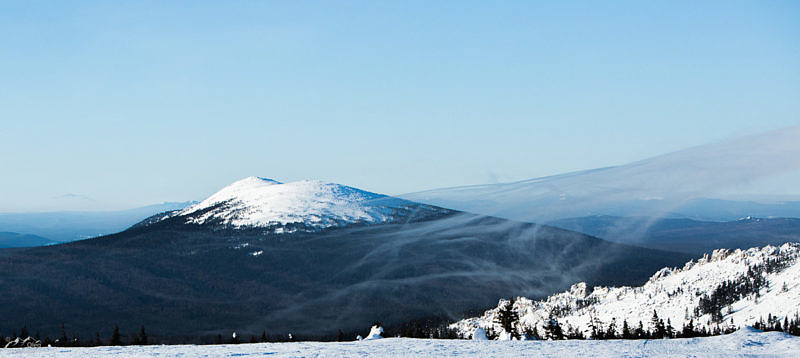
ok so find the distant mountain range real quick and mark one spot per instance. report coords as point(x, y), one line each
point(307, 258)
point(74, 225)
point(685, 235)
point(14, 239)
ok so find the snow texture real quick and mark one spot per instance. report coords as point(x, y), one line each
point(266, 203)
point(743, 343)
point(674, 293)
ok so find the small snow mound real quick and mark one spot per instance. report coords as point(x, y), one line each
point(479, 335)
point(376, 332)
point(505, 336)
point(747, 329)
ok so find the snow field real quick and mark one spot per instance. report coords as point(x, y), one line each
point(743, 343)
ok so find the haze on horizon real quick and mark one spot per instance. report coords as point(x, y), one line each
point(113, 106)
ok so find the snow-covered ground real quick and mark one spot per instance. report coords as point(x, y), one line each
point(673, 292)
point(744, 343)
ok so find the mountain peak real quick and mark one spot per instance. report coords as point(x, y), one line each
point(260, 202)
point(254, 181)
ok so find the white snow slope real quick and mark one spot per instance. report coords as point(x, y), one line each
point(744, 343)
point(674, 293)
point(265, 203)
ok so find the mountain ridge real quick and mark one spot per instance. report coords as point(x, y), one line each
point(727, 288)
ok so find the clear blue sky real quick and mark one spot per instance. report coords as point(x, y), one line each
point(108, 105)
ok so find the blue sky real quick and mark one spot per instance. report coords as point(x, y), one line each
point(106, 105)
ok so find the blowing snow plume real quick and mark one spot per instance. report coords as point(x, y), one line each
point(652, 187)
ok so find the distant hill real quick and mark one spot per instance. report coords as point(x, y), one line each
point(73, 225)
point(685, 235)
point(14, 239)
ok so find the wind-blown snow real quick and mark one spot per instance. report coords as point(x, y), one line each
point(744, 343)
point(259, 202)
point(672, 179)
point(674, 293)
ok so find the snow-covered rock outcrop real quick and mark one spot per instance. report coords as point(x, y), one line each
point(725, 289)
point(28, 342)
point(376, 332)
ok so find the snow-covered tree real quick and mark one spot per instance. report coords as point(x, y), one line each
point(508, 318)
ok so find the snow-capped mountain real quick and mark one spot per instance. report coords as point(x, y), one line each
point(725, 289)
point(305, 205)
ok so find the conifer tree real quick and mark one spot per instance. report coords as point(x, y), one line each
point(115, 338)
point(654, 321)
point(552, 330)
point(661, 329)
point(63, 339)
point(688, 329)
point(640, 333)
point(508, 318)
point(626, 331)
point(669, 330)
point(530, 332)
point(143, 337)
point(611, 332)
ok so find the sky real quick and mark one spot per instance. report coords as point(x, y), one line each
point(112, 105)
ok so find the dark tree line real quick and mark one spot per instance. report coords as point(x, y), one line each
point(773, 323)
point(431, 327)
point(141, 338)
